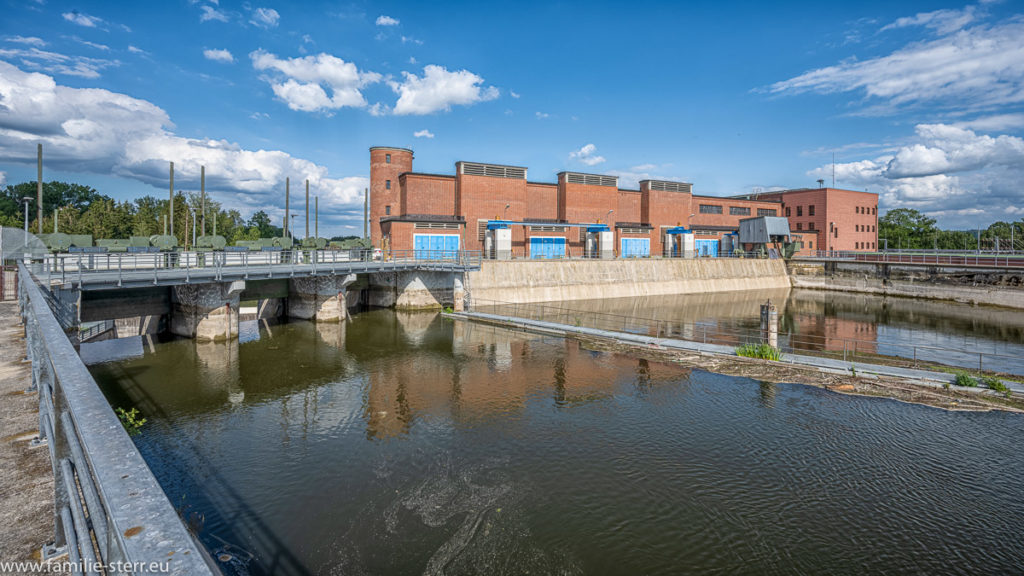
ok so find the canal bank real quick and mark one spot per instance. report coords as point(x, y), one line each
point(923, 386)
point(993, 288)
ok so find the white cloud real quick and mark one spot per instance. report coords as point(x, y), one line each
point(379, 109)
point(412, 60)
point(219, 55)
point(212, 14)
point(383, 20)
point(588, 155)
point(942, 21)
point(82, 19)
point(135, 50)
point(259, 116)
point(95, 45)
point(411, 40)
point(423, 134)
point(946, 171)
point(980, 67)
point(3, 179)
point(513, 94)
point(265, 17)
point(57, 63)
point(994, 123)
point(101, 132)
point(29, 40)
point(438, 89)
point(306, 81)
point(542, 115)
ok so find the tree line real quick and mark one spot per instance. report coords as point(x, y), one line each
point(83, 210)
point(906, 228)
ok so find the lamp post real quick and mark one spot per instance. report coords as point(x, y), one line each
point(26, 200)
point(194, 212)
point(291, 228)
point(56, 214)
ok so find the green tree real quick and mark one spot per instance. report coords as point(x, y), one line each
point(907, 228)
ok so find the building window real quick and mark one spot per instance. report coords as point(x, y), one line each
point(836, 231)
point(739, 211)
point(810, 225)
point(387, 210)
point(857, 209)
point(787, 211)
point(710, 209)
point(799, 226)
point(810, 210)
point(387, 184)
point(799, 211)
point(874, 210)
point(810, 244)
point(767, 212)
point(387, 158)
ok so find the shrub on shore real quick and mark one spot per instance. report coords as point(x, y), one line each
point(763, 351)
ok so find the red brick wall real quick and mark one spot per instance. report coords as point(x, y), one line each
point(380, 196)
point(663, 209)
point(541, 201)
point(427, 194)
point(402, 234)
point(834, 208)
point(725, 218)
point(485, 197)
point(582, 203)
point(629, 207)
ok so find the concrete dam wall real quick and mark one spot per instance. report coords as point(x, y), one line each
point(540, 281)
point(969, 286)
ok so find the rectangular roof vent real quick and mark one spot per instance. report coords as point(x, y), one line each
point(591, 179)
point(493, 170)
point(666, 186)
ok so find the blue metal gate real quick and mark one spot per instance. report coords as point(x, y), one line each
point(436, 246)
point(635, 247)
point(707, 248)
point(547, 247)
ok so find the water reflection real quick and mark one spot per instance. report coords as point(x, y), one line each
point(411, 444)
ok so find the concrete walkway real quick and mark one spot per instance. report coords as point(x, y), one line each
point(26, 479)
point(922, 377)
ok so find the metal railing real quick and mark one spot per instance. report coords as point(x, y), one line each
point(116, 268)
point(849, 349)
point(111, 514)
point(934, 258)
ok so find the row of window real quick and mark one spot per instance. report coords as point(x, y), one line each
point(867, 209)
point(865, 245)
point(736, 210)
point(865, 228)
point(800, 211)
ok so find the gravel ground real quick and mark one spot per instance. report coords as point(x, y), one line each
point(26, 480)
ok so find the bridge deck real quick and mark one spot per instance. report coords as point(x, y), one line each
point(26, 481)
point(106, 271)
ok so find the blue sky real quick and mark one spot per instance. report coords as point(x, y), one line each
point(921, 102)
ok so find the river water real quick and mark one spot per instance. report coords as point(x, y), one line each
point(411, 444)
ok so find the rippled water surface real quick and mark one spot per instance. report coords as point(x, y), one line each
point(410, 444)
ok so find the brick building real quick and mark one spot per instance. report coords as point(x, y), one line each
point(411, 210)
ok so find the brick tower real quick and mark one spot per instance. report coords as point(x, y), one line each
point(386, 164)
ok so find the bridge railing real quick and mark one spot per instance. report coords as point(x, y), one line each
point(937, 259)
point(72, 267)
point(111, 516)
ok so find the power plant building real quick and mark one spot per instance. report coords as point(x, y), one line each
point(416, 211)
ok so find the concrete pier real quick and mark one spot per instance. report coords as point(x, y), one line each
point(416, 290)
point(206, 312)
point(319, 298)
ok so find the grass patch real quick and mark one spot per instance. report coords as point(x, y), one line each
point(965, 379)
point(993, 383)
point(131, 420)
point(763, 351)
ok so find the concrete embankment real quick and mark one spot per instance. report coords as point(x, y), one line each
point(995, 288)
point(550, 281)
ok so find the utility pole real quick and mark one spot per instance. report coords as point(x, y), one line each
point(316, 216)
point(39, 189)
point(170, 207)
point(56, 211)
point(287, 191)
point(307, 208)
point(366, 204)
point(202, 188)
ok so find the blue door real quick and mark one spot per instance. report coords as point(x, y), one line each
point(451, 247)
point(635, 247)
point(707, 248)
point(545, 247)
point(435, 246)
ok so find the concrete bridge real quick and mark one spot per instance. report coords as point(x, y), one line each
point(199, 293)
